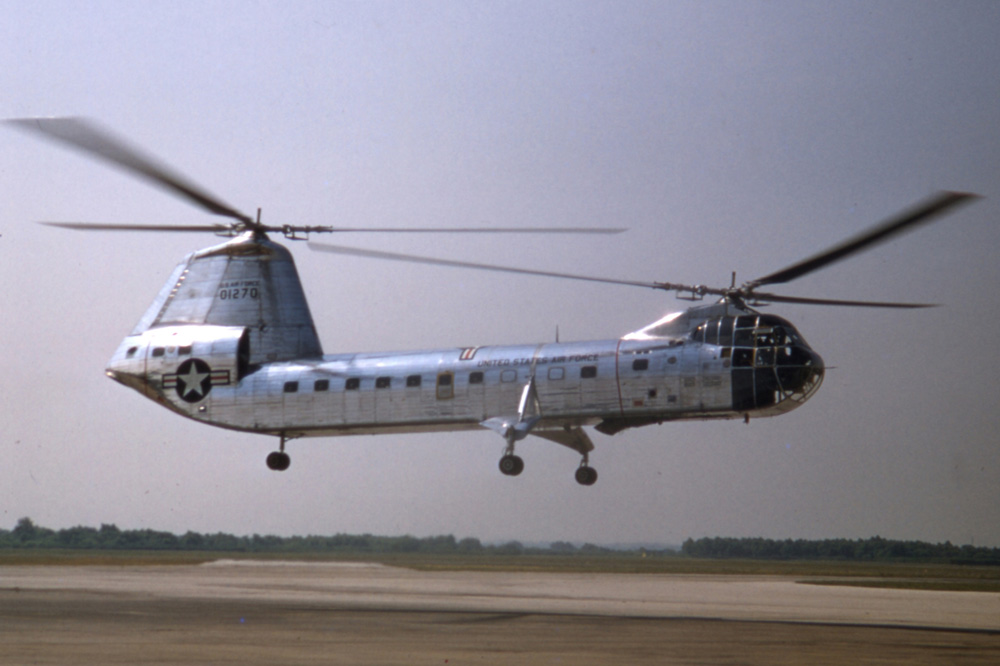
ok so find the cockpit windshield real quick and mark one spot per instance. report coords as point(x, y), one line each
point(748, 331)
point(773, 369)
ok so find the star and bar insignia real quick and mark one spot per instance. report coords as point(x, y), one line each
point(194, 379)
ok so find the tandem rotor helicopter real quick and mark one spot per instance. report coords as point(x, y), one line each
point(229, 341)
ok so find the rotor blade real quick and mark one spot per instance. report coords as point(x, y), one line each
point(925, 212)
point(485, 230)
point(392, 256)
point(775, 298)
point(88, 138)
point(97, 226)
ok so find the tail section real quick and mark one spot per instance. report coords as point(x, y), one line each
point(248, 282)
point(224, 311)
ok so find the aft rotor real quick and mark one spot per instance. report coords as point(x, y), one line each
point(87, 137)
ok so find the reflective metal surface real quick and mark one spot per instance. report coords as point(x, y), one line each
point(229, 341)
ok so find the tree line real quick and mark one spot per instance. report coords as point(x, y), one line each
point(874, 549)
point(27, 535)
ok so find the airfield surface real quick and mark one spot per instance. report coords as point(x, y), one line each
point(336, 613)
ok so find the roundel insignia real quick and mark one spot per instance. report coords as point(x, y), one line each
point(193, 380)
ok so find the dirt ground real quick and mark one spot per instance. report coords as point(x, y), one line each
point(205, 616)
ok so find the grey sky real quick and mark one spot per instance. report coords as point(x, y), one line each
point(726, 136)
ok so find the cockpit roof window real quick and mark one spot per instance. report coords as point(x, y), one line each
point(741, 331)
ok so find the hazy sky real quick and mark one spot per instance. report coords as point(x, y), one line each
point(726, 135)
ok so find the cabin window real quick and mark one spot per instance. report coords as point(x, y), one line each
point(383, 382)
point(640, 364)
point(508, 376)
point(291, 387)
point(475, 377)
point(557, 373)
point(445, 386)
point(184, 350)
point(352, 384)
point(158, 351)
point(588, 372)
point(322, 385)
point(672, 360)
point(413, 381)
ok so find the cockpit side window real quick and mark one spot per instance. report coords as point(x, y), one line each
point(726, 331)
point(743, 337)
point(711, 332)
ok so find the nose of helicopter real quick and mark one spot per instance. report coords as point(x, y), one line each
point(804, 373)
point(798, 372)
point(816, 369)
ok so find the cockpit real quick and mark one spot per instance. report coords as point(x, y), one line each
point(773, 369)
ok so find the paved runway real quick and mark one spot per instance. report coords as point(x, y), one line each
point(295, 613)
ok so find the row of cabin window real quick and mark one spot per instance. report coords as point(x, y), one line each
point(445, 379)
point(412, 380)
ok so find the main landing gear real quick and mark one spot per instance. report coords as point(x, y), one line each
point(279, 460)
point(586, 475)
point(512, 465)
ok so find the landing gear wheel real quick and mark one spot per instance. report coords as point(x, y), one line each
point(511, 465)
point(586, 476)
point(278, 461)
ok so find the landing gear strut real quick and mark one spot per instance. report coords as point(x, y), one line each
point(585, 474)
point(510, 464)
point(279, 460)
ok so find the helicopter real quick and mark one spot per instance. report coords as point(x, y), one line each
point(229, 341)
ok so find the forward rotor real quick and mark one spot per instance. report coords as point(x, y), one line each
point(927, 211)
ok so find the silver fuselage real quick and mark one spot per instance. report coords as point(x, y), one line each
point(229, 341)
point(619, 382)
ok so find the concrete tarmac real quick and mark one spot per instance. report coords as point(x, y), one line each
point(335, 613)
